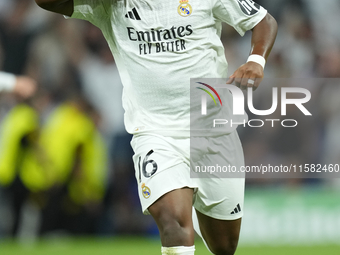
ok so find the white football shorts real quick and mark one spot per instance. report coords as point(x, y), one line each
point(162, 164)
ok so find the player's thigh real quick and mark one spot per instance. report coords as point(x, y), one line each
point(221, 236)
point(172, 213)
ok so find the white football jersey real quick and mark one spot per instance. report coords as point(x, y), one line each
point(159, 45)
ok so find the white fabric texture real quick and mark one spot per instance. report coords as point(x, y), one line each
point(179, 250)
point(7, 81)
point(169, 169)
point(257, 59)
point(157, 50)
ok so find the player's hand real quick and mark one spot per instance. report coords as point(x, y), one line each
point(25, 86)
point(247, 75)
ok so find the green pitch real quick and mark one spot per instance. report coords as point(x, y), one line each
point(140, 246)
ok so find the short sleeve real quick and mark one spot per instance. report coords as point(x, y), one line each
point(91, 10)
point(243, 15)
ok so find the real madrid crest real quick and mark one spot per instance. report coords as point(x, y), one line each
point(184, 9)
point(146, 191)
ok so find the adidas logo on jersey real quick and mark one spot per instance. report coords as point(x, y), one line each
point(237, 209)
point(133, 14)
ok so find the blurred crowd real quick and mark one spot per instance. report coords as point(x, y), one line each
point(77, 112)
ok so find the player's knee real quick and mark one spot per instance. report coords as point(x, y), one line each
point(171, 223)
point(176, 229)
point(224, 247)
point(172, 218)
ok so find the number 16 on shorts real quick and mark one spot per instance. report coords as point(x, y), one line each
point(148, 168)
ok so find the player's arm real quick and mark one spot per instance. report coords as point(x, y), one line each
point(64, 7)
point(263, 38)
point(21, 85)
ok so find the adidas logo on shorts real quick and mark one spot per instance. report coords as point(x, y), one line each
point(133, 14)
point(237, 209)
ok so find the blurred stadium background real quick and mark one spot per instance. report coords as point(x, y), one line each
point(85, 201)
